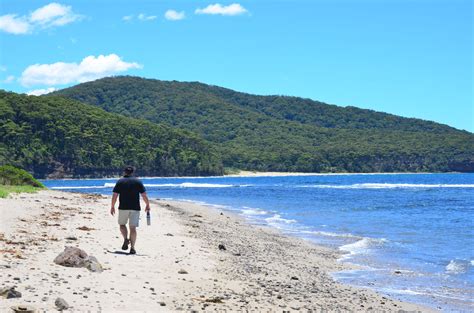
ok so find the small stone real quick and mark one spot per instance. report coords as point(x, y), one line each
point(9, 293)
point(221, 247)
point(61, 304)
point(162, 303)
point(294, 278)
point(181, 271)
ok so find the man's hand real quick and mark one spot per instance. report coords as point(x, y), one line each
point(147, 208)
point(114, 200)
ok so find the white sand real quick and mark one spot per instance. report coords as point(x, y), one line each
point(260, 269)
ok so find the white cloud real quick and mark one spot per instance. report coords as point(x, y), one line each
point(50, 15)
point(61, 73)
point(3, 68)
point(54, 14)
point(12, 24)
point(144, 17)
point(39, 92)
point(9, 79)
point(173, 15)
point(218, 9)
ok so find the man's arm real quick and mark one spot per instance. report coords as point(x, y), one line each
point(114, 200)
point(145, 198)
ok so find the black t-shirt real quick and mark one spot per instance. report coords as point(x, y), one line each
point(129, 188)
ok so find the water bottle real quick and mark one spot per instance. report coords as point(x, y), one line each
point(148, 218)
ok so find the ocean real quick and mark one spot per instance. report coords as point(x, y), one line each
point(411, 234)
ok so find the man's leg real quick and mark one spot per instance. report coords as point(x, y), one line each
point(122, 220)
point(124, 231)
point(133, 235)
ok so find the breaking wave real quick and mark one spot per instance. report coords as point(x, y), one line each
point(389, 186)
point(181, 185)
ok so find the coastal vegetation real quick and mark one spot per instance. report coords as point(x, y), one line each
point(15, 180)
point(58, 137)
point(280, 133)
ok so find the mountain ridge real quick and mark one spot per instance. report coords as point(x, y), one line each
point(282, 133)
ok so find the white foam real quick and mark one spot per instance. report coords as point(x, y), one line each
point(457, 267)
point(329, 234)
point(388, 186)
point(253, 211)
point(363, 245)
point(78, 187)
point(181, 185)
point(277, 219)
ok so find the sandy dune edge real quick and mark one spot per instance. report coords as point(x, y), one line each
point(259, 270)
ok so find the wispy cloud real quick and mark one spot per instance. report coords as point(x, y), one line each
point(9, 79)
point(51, 15)
point(144, 17)
point(88, 69)
point(173, 15)
point(141, 17)
point(219, 9)
point(39, 92)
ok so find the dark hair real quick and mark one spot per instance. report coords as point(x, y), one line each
point(128, 170)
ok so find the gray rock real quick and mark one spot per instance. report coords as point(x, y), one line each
point(221, 247)
point(93, 265)
point(75, 257)
point(71, 257)
point(181, 271)
point(9, 293)
point(61, 304)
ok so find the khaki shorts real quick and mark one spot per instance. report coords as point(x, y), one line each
point(131, 216)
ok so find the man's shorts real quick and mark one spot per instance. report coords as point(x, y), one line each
point(131, 216)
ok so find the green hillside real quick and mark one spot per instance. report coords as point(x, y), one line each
point(285, 133)
point(57, 137)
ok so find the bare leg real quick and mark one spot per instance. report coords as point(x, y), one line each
point(133, 235)
point(123, 230)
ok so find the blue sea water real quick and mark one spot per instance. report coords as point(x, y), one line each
point(412, 234)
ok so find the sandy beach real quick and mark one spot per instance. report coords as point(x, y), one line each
point(191, 258)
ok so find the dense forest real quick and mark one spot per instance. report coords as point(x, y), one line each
point(58, 137)
point(279, 133)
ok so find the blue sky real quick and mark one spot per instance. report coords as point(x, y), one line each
point(407, 57)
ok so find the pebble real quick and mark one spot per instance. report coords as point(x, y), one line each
point(61, 304)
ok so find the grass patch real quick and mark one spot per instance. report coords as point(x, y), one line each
point(6, 190)
point(13, 176)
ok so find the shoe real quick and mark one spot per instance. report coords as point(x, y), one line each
point(132, 251)
point(125, 244)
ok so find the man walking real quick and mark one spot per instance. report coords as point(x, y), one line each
point(129, 189)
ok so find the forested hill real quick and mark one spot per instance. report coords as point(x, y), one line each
point(285, 133)
point(58, 137)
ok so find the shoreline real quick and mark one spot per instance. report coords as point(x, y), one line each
point(260, 268)
point(260, 174)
